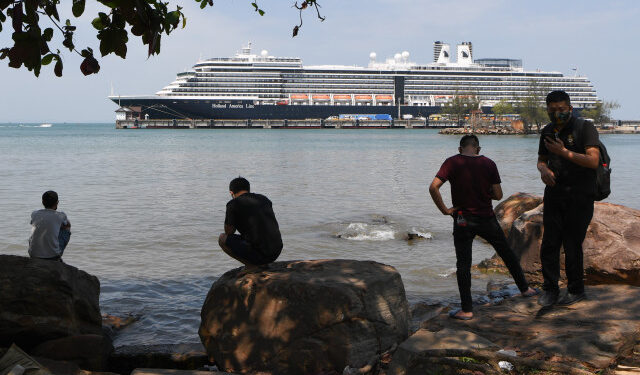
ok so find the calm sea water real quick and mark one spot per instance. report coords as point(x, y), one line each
point(146, 206)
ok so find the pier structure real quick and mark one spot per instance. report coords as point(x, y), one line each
point(276, 124)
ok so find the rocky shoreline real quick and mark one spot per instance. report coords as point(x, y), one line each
point(345, 317)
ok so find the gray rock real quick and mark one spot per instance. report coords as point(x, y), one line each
point(304, 317)
point(43, 300)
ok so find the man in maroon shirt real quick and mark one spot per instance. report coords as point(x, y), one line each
point(475, 181)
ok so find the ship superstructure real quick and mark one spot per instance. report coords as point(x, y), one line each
point(251, 85)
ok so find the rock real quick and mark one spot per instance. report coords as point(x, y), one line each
point(66, 368)
point(175, 356)
point(611, 247)
point(404, 358)
point(90, 352)
point(304, 317)
point(157, 371)
point(511, 208)
point(595, 332)
point(44, 300)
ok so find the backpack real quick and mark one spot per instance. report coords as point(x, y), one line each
point(603, 172)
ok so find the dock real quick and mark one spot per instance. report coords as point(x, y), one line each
point(278, 124)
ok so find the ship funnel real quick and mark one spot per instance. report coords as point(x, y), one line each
point(465, 54)
point(440, 52)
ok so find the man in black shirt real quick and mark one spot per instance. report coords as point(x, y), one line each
point(259, 241)
point(568, 156)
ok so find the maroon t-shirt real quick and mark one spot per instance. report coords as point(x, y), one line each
point(471, 178)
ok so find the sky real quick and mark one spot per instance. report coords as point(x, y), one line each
point(599, 38)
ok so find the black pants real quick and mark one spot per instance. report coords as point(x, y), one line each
point(489, 229)
point(566, 218)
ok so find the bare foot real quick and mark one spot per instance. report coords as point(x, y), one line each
point(461, 315)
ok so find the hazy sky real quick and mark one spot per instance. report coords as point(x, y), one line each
point(598, 37)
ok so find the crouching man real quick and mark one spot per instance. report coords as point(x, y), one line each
point(259, 241)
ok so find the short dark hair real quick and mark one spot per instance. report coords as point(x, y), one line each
point(238, 184)
point(558, 96)
point(49, 199)
point(469, 139)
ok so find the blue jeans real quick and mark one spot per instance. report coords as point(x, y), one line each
point(63, 240)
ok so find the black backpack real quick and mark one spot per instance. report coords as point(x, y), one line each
point(603, 172)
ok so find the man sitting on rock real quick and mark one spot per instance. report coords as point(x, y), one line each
point(475, 181)
point(259, 241)
point(50, 229)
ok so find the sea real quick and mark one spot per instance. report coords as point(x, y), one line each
point(147, 206)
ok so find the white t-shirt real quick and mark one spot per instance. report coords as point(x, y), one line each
point(45, 228)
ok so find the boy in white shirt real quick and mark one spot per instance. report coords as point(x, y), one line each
point(50, 229)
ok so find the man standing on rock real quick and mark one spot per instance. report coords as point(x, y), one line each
point(475, 181)
point(50, 229)
point(568, 156)
point(259, 241)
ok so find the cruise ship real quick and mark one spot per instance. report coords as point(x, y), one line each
point(261, 86)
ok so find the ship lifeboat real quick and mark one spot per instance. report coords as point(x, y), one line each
point(363, 98)
point(321, 97)
point(297, 97)
point(342, 97)
point(384, 98)
point(282, 102)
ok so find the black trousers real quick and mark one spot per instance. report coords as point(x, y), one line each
point(566, 218)
point(489, 229)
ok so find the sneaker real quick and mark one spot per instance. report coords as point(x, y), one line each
point(570, 298)
point(548, 298)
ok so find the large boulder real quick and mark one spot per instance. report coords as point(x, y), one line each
point(611, 247)
point(304, 317)
point(511, 208)
point(42, 300)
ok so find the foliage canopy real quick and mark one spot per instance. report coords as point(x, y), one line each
point(144, 19)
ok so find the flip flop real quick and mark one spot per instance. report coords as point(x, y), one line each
point(536, 291)
point(452, 315)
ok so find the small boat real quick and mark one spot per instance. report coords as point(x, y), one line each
point(45, 125)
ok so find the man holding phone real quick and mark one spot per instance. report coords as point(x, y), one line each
point(568, 157)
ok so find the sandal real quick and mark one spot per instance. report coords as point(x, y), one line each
point(454, 315)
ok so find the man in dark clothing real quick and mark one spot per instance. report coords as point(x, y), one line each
point(259, 241)
point(475, 181)
point(568, 157)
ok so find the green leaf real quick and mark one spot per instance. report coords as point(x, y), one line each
point(255, 6)
point(113, 41)
point(47, 34)
point(184, 22)
point(2, 17)
point(173, 18)
point(78, 7)
point(97, 23)
point(47, 59)
point(261, 12)
point(203, 4)
point(68, 23)
point(104, 19)
point(57, 69)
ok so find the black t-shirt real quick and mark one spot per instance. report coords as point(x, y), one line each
point(570, 177)
point(252, 215)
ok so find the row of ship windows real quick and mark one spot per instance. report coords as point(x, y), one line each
point(415, 94)
point(253, 77)
point(348, 88)
point(407, 82)
point(349, 84)
point(272, 83)
point(476, 76)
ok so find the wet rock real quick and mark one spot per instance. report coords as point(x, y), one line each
point(89, 352)
point(43, 300)
point(304, 317)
